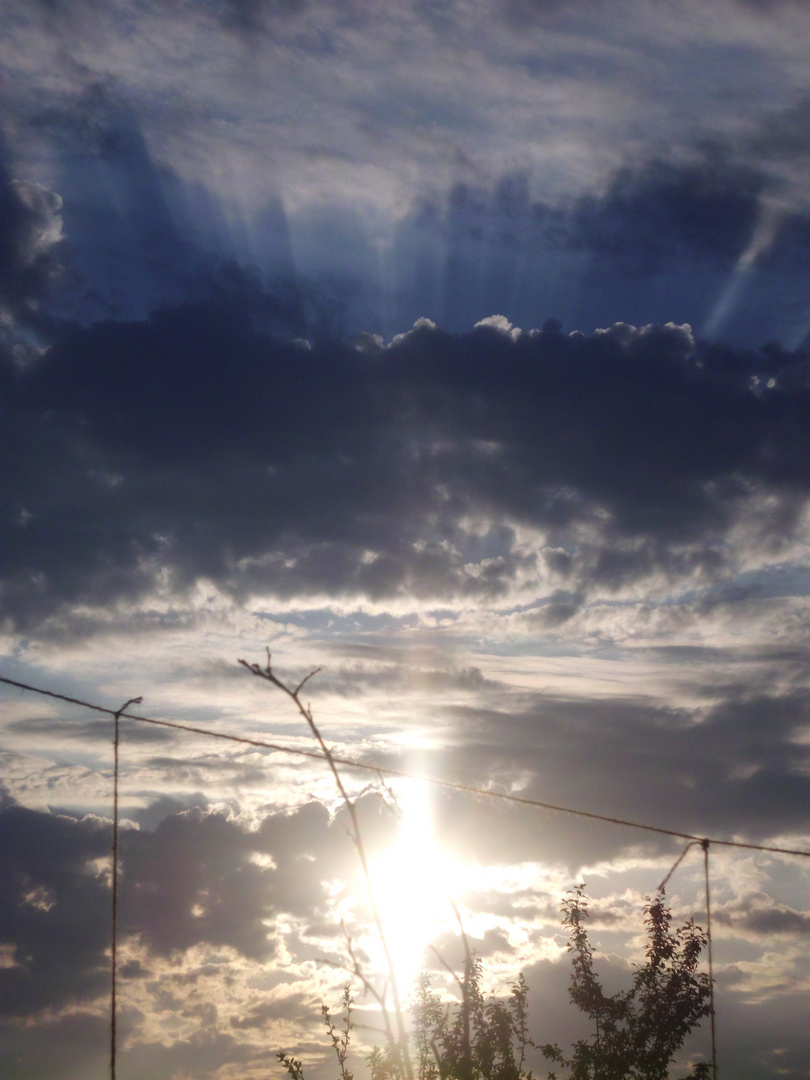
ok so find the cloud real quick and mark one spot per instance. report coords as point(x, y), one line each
point(650, 215)
point(777, 921)
point(252, 16)
point(150, 455)
point(85, 1033)
point(712, 238)
point(55, 910)
point(288, 1007)
point(209, 908)
point(190, 882)
point(31, 245)
point(87, 730)
point(566, 144)
point(204, 1051)
point(737, 765)
point(198, 878)
point(755, 915)
point(665, 211)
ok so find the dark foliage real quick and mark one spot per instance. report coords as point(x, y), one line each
point(636, 1032)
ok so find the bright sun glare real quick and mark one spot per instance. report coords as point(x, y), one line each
point(412, 885)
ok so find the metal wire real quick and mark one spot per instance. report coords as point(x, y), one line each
point(705, 845)
point(435, 781)
point(114, 947)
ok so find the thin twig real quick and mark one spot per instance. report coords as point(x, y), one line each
point(356, 970)
point(447, 967)
point(399, 1046)
point(465, 996)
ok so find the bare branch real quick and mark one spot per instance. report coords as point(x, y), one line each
point(447, 967)
point(357, 839)
point(305, 680)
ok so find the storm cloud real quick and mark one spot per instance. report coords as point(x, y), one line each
point(194, 445)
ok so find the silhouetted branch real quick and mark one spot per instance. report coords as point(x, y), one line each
point(269, 675)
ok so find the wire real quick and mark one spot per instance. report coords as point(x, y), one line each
point(451, 785)
point(680, 859)
point(113, 950)
point(709, 952)
point(705, 845)
point(114, 947)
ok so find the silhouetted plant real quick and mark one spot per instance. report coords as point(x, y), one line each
point(340, 1038)
point(481, 1038)
point(637, 1032)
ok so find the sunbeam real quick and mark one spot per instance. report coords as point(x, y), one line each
point(412, 884)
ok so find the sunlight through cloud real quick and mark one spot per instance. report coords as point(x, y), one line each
point(412, 883)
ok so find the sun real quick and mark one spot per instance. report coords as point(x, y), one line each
point(412, 882)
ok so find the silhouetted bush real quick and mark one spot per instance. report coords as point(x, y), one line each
point(636, 1032)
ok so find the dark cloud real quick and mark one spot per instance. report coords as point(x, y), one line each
point(54, 911)
point(198, 880)
point(141, 236)
point(735, 767)
point(784, 134)
point(68, 1047)
point(658, 243)
point(191, 880)
point(526, 11)
point(767, 7)
point(663, 230)
point(194, 444)
point(204, 1054)
point(492, 942)
point(252, 16)
point(90, 729)
point(777, 1043)
point(756, 913)
point(289, 1007)
point(31, 248)
point(405, 673)
point(651, 216)
point(165, 806)
point(233, 182)
point(776, 920)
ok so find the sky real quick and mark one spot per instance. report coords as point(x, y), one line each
point(459, 349)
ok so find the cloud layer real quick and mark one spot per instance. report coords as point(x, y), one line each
point(496, 465)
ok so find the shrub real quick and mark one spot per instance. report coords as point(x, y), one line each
point(636, 1032)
